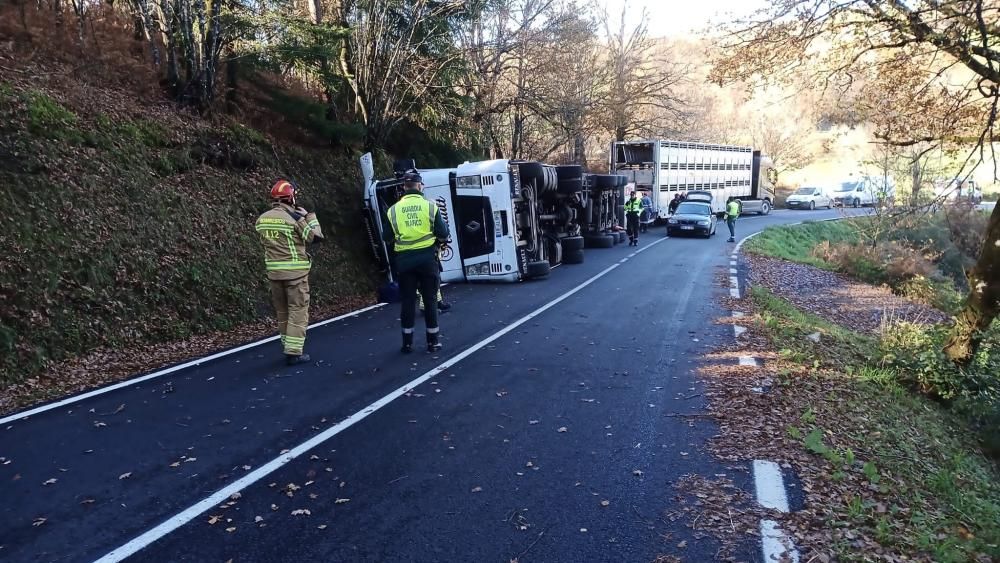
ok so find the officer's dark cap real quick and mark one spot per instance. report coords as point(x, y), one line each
point(412, 177)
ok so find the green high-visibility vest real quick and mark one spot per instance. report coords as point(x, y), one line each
point(733, 209)
point(633, 206)
point(412, 220)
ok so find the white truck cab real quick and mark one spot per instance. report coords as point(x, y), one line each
point(507, 220)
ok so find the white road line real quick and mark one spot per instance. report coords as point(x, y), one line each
point(775, 544)
point(748, 361)
point(739, 331)
point(770, 485)
point(734, 282)
point(734, 292)
point(733, 271)
point(732, 263)
point(192, 512)
point(199, 361)
point(739, 314)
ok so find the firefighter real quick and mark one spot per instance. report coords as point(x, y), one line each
point(417, 228)
point(285, 230)
point(633, 207)
point(733, 208)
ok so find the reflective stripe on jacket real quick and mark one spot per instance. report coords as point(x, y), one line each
point(284, 240)
point(412, 219)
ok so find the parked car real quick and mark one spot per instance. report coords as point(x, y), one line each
point(808, 197)
point(692, 217)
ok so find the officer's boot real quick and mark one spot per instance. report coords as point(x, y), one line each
point(292, 359)
point(407, 343)
point(443, 306)
point(433, 342)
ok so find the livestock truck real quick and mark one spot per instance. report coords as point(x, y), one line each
point(507, 220)
point(666, 168)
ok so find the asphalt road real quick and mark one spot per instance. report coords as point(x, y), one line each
point(507, 453)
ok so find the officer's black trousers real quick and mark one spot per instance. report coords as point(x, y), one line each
point(426, 279)
point(632, 226)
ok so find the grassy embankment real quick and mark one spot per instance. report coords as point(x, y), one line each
point(901, 442)
point(130, 224)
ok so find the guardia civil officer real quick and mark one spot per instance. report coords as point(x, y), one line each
point(417, 228)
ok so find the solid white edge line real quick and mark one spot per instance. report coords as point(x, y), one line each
point(190, 513)
point(775, 544)
point(748, 361)
point(179, 367)
point(770, 485)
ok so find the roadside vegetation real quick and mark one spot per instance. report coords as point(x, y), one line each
point(896, 445)
point(888, 472)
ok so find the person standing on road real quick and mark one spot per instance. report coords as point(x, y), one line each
point(417, 228)
point(672, 207)
point(285, 230)
point(633, 208)
point(732, 212)
point(647, 211)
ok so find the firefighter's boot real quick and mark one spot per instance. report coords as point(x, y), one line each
point(293, 360)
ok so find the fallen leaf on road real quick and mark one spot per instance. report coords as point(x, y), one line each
point(214, 519)
point(274, 507)
point(562, 429)
point(51, 481)
point(87, 501)
point(477, 489)
point(682, 545)
point(38, 522)
point(301, 512)
point(99, 424)
point(584, 530)
point(637, 473)
point(175, 464)
point(124, 476)
point(235, 496)
point(321, 527)
point(532, 422)
point(231, 529)
point(258, 519)
point(605, 503)
point(341, 501)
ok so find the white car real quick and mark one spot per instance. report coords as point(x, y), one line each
point(808, 197)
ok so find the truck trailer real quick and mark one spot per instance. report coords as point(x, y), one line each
point(666, 168)
point(508, 220)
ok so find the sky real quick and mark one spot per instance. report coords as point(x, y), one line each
point(671, 18)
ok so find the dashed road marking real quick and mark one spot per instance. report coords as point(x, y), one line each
point(749, 361)
point(775, 544)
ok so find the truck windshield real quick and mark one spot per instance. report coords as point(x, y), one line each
point(847, 187)
point(693, 209)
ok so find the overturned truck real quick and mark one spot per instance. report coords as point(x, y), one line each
point(507, 220)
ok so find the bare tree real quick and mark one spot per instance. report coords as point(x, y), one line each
point(398, 51)
point(643, 79)
point(835, 41)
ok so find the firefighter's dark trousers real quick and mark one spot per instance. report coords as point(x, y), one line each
point(291, 306)
point(632, 227)
point(424, 278)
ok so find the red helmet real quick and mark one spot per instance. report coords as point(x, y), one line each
point(282, 189)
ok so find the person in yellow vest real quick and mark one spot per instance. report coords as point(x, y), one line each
point(733, 209)
point(416, 230)
point(633, 208)
point(285, 230)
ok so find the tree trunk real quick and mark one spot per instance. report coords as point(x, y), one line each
point(983, 303)
point(915, 173)
point(232, 85)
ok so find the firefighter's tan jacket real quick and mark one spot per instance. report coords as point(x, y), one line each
point(285, 240)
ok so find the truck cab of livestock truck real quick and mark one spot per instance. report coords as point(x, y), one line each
point(667, 168)
point(476, 201)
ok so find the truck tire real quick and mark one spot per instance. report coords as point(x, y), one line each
point(570, 185)
point(599, 241)
point(573, 257)
point(857, 202)
point(604, 181)
point(765, 207)
point(538, 269)
point(530, 170)
point(569, 172)
point(571, 244)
